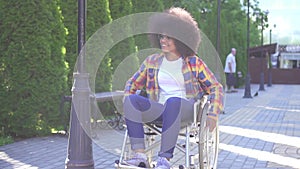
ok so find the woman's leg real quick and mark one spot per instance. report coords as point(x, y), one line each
point(176, 110)
point(138, 110)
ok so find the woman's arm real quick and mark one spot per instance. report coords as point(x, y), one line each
point(211, 85)
point(137, 81)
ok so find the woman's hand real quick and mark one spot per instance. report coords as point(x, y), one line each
point(211, 123)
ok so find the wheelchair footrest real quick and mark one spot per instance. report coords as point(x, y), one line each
point(119, 165)
point(123, 166)
point(150, 134)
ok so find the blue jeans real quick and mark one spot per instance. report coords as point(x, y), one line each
point(139, 110)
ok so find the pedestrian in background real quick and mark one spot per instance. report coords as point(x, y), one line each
point(230, 69)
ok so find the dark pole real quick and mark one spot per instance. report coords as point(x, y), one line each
point(270, 36)
point(218, 26)
point(262, 30)
point(247, 93)
point(218, 74)
point(81, 34)
point(269, 63)
point(262, 75)
point(79, 143)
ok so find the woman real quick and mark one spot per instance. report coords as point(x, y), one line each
point(173, 80)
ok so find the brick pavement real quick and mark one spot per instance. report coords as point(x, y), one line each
point(261, 133)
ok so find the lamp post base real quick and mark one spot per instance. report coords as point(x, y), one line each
point(247, 93)
point(81, 165)
point(262, 83)
point(80, 149)
point(269, 78)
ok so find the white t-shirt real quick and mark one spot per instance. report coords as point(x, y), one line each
point(170, 80)
point(230, 59)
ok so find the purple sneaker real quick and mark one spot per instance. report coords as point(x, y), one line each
point(162, 163)
point(138, 160)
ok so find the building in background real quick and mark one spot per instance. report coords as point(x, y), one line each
point(288, 56)
point(281, 62)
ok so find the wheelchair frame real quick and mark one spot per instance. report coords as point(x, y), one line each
point(200, 146)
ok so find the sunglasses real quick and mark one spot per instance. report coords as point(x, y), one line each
point(160, 37)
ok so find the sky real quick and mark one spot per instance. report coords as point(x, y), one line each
point(285, 14)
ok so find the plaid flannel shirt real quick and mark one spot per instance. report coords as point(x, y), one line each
point(198, 79)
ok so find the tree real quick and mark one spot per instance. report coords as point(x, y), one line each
point(233, 26)
point(33, 70)
point(69, 10)
point(98, 15)
point(141, 41)
point(125, 48)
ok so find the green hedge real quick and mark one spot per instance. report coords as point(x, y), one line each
point(33, 70)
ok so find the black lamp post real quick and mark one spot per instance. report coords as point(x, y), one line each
point(270, 62)
point(79, 143)
point(270, 36)
point(262, 76)
point(247, 93)
point(218, 74)
point(218, 26)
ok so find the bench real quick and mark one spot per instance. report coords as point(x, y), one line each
point(100, 97)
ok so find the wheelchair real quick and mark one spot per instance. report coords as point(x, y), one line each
point(196, 147)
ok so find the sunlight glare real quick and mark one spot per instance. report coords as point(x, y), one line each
point(262, 155)
point(270, 137)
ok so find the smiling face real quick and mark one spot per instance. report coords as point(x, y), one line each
point(168, 45)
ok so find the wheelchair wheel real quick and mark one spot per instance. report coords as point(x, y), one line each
point(112, 123)
point(203, 131)
point(208, 143)
point(121, 125)
point(213, 147)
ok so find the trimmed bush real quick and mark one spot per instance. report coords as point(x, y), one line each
point(33, 70)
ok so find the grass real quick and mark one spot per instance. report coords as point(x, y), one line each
point(6, 140)
point(55, 131)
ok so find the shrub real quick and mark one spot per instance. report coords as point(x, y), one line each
point(33, 70)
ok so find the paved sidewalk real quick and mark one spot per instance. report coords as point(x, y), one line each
point(261, 133)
